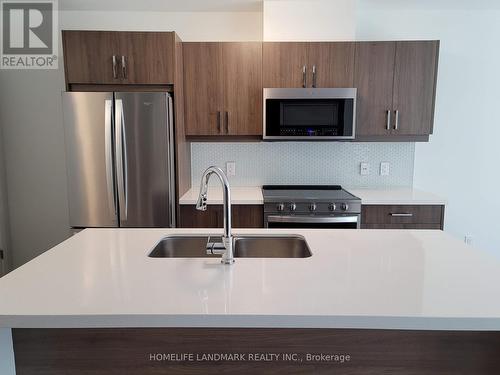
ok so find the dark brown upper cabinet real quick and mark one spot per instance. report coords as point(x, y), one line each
point(223, 88)
point(88, 57)
point(396, 84)
point(304, 64)
point(113, 57)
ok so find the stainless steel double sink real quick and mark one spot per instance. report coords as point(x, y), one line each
point(244, 247)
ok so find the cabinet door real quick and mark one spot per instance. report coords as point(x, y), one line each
point(414, 87)
point(334, 64)
point(243, 216)
point(190, 217)
point(148, 57)
point(203, 99)
point(88, 57)
point(242, 77)
point(373, 77)
point(283, 63)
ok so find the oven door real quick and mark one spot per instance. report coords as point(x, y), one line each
point(319, 222)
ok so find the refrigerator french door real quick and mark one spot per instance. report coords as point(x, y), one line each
point(120, 159)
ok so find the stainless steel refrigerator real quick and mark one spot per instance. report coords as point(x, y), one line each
point(120, 159)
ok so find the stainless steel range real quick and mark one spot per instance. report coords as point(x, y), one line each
point(310, 206)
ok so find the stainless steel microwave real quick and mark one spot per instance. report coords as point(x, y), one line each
point(309, 114)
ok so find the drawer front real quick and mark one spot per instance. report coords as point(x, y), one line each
point(401, 226)
point(402, 214)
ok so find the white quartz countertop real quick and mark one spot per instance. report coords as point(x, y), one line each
point(390, 279)
point(239, 195)
point(253, 195)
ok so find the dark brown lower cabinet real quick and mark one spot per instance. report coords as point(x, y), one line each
point(155, 351)
point(243, 216)
point(402, 217)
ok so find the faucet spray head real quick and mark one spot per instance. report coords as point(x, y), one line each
point(201, 204)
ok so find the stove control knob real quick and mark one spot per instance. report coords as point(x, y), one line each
point(280, 207)
point(332, 207)
point(292, 206)
point(312, 207)
point(345, 206)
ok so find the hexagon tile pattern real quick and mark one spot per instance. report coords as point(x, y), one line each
point(307, 163)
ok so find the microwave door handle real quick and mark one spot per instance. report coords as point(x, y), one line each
point(304, 76)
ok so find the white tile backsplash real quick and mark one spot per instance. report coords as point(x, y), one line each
point(261, 163)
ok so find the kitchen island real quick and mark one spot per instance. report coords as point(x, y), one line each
point(413, 293)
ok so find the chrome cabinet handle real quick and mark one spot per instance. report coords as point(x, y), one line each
point(124, 67)
point(401, 214)
point(115, 68)
point(108, 149)
point(218, 121)
point(396, 121)
point(314, 76)
point(388, 124)
point(227, 122)
point(304, 76)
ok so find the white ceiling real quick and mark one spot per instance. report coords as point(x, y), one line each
point(164, 5)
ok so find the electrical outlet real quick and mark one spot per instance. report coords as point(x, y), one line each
point(468, 239)
point(384, 168)
point(231, 168)
point(364, 169)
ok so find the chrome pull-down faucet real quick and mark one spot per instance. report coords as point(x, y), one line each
point(226, 247)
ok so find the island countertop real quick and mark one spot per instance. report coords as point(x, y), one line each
point(387, 279)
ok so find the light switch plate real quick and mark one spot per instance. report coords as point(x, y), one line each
point(231, 168)
point(364, 169)
point(385, 168)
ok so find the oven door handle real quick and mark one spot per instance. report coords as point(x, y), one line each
point(312, 219)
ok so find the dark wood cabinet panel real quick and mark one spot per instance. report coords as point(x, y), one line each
point(283, 63)
point(223, 89)
point(243, 216)
point(88, 57)
point(396, 84)
point(139, 57)
point(247, 216)
point(402, 216)
point(202, 88)
point(190, 217)
point(414, 86)
point(117, 351)
point(373, 77)
point(242, 77)
point(334, 64)
point(149, 57)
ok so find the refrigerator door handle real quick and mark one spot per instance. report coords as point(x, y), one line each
point(121, 159)
point(171, 162)
point(108, 150)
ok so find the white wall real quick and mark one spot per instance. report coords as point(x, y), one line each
point(461, 160)
point(190, 26)
point(4, 215)
point(309, 20)
point(31, 118)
